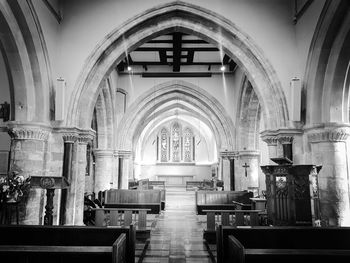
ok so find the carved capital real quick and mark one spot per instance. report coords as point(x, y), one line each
point(28, 131)
point(336, 134)
point(228, 154)
point(70, 137)
point(86, 136)
point(285, 139)
point(270, 140)
point(123, 153)
point(249, 154)
point(103, 153)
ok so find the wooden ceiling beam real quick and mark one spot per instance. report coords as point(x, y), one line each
point(197, 49)
point(177, 37)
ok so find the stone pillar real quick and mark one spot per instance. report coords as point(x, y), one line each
point(227, 171)
point(69, 155)
point(103, 169)
point(248, 178)
point(28, 156)
point(329, 149)
point(115, 180)
point(125, 169)
point(272, 146)
point(78, 213)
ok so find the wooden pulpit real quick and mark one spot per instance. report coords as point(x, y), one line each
point(50, 183)
point(291, 193)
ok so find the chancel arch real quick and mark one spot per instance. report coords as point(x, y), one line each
point(181, 17)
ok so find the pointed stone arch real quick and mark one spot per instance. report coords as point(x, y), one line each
point(175, 91)
point(328, 68)
point(190, 19)
point(26, 58)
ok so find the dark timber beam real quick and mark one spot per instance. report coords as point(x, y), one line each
point(177, 37)
point(196, 49)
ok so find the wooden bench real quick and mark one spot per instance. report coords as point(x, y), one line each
point(160, 184)
point(121, 217)
point(69, 244)
point(283, 244)
point(134, 199)
point(220, 200)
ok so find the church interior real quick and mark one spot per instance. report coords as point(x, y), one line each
point(177, 129)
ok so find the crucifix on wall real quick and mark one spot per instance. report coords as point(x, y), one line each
point(245, 168)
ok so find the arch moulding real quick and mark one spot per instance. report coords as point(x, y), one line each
point(186, 18)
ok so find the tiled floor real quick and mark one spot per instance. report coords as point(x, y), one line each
point(178, 233)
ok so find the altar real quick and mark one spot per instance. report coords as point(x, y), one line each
point(175, 179)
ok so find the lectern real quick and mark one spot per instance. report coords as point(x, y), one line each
point(50, 183)
point(291, 193)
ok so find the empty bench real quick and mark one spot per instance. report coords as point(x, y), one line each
point(220, 200)
point(134, 199)
point(69, 244)
point(283, 244)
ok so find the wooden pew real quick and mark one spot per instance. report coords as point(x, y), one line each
point(134, 199)
point(220, 200)
point(283, 244)
point(160, 184)
point(121, 217)
point(39, 244)
point(231, 218)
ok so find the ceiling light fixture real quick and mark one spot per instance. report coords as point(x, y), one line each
point(129, 68)
point(222, 68)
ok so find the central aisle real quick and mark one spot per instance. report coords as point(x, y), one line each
point(178, 235)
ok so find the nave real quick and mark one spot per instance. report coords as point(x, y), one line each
point(178, 232)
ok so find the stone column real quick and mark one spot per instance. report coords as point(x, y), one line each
point(78, 213)
point(125, 168)
point(115, 180)
point(329, 149)
point(103, 169)
point(227, 171)
point(272, 146)
point(28, 149)
point(248, 178)
point(67, 195)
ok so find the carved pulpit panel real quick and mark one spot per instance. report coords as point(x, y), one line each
point(290, 199)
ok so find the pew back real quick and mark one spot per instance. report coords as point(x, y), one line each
point(68, 242)
point(220, 200)
point(282, 238)
point(143, 199)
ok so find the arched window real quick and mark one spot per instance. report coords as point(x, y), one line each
point(188, 139)
point(164, 145)
point(176, 142)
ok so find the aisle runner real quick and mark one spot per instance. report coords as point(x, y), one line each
point(178, 235)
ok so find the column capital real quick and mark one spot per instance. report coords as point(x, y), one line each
point(249, 153)
point(328, 134)
point(85, 136)
point(100, 153)
point(282, 135)
point(29, 131)
point(123, 153)
point(228, 154)
point(270, 140)
point(73, 134)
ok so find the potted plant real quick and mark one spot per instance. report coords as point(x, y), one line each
point(13, 187)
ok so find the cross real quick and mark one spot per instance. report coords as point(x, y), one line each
point(245, 167)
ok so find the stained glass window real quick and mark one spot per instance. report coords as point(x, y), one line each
point(188, 145)
point(164, 145)
point(176, 135)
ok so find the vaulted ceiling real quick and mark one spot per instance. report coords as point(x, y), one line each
point(176, 54)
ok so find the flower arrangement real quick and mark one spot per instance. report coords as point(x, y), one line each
point(13, 187)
